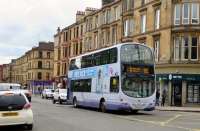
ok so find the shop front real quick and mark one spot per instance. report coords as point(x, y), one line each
point(183, 89)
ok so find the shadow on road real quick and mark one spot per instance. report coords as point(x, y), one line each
point(123, 113)
point(13, 128)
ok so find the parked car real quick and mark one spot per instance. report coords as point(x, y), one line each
point(27, 93)
point(15, 109)
point(60, 95)
point(9, 86)
point(47, 93)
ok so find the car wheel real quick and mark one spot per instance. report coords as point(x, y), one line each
point(60, 101)
point(102, 106)
point(29, 127)
point(75, 103)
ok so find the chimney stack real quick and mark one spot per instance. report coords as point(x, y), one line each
point(79, 15)
point(89, 10)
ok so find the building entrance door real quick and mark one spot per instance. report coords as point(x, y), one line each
point(177, 94)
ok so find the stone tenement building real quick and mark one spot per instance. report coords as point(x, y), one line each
point(7, 73)
point(1, 73)
point(35, 68)
point(171, 27)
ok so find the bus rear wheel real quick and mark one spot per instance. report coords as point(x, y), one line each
point(102, 106)
point(75, 102)
point(134, 111)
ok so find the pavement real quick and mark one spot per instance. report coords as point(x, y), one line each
point(180, 109)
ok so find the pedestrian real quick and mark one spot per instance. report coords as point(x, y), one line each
point(157, 97)
point(164, 94)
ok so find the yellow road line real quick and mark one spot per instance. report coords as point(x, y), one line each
point(163, 124)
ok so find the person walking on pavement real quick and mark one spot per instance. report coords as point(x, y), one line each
point(157, 97)
point(164, 94)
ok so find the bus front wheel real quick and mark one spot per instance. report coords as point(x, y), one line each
point(75, 102)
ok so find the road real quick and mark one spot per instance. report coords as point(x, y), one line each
point(49, 117)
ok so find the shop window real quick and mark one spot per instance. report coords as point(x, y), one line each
point(193, 93)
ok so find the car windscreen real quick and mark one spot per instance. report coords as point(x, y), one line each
point(10, 102)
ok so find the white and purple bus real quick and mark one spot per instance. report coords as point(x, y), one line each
point(120, 77)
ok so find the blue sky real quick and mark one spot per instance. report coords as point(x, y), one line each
point(23, 23)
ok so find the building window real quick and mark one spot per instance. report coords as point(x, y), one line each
point(48, 55)
point(128, 5)
point(177, 51)
point(96, 40)
point(47, 76)
point(157, 19)
point(193, 93)
point(48, 65)
point(143, 23)
point(156, 49)
point(128, 27)
point(194, 48)
point(143, 2)
point(40, 54)
point(114, 35)
point(39, 75)
point(186, 13)
point(177, 14)
point(195, 13)
point(185, 48)
point(96, 21)
point(108, 16)
point(39, 64)
point(108, 37)
point(81, 46)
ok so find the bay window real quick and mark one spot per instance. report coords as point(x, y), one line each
point(186, 48)
point(177, 45)
point(194, 48)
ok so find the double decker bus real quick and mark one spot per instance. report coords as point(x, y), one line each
point(120, 77)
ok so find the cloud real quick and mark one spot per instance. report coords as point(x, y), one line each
point(23, 23)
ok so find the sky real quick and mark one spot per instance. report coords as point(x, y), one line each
point(23, 23)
